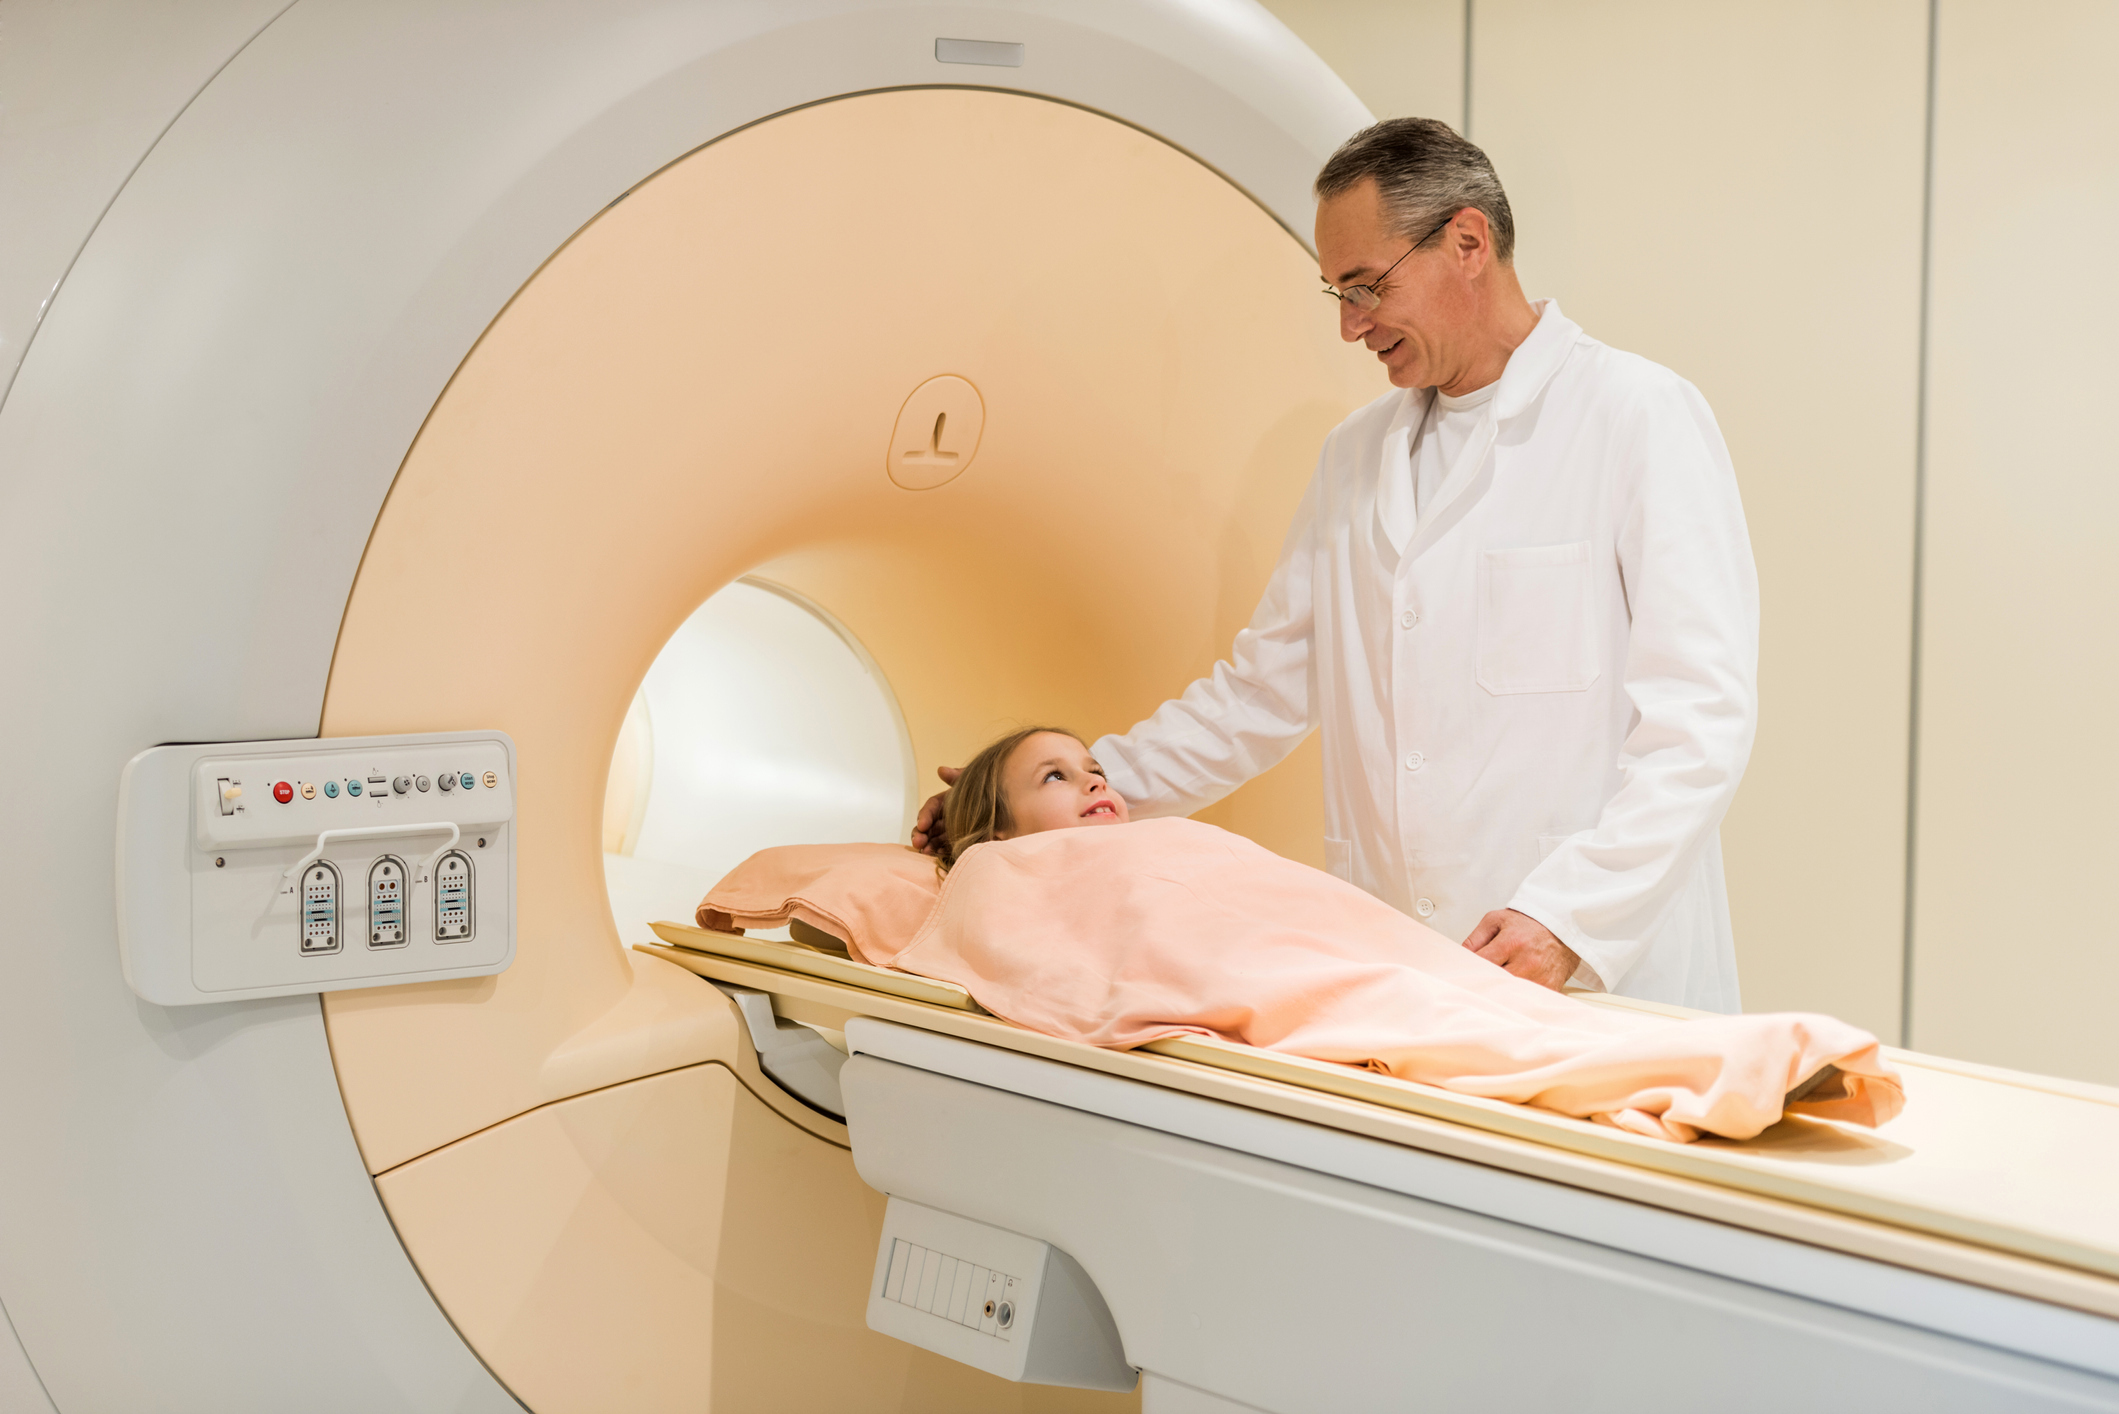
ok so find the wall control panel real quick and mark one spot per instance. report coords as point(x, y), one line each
point(260, 869)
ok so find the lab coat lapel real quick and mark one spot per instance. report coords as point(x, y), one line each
point(1529, 369)
point(1395, 511)
point(1458, 479)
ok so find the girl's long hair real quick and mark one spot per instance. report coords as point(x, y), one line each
point(976, 810)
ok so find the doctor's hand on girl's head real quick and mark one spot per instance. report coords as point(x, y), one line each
point(930, 829)
point(1029, 781)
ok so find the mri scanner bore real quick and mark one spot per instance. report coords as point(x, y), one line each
point(761, 722)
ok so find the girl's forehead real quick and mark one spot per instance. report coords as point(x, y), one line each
point(1047, 749)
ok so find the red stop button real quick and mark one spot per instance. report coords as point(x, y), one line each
point(283, 792)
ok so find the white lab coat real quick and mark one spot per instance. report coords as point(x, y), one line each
point(1539, 693)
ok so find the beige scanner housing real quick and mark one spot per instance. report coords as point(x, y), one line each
point(720, 376)
point(423, 377)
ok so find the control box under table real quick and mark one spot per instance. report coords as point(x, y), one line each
point(263, 869)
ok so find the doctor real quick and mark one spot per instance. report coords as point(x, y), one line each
point(1518, 599)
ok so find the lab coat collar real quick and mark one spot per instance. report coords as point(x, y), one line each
point(1535, 360)
point(1523, 380)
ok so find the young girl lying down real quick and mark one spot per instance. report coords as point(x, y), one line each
point(1059, 914)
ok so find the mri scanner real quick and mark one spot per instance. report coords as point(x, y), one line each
point(411, 377)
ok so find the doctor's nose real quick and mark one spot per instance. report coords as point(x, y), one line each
point(1354, 321)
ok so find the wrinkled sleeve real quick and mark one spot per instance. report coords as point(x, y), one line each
point(1254, 708)
point(1692, 676)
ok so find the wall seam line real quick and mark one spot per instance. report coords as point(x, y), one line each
point(1466, 130)
point(1917, 625)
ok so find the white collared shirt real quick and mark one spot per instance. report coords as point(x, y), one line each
point(1534, 663)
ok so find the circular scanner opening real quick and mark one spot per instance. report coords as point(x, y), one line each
point(563, 1147)
point(763, 721)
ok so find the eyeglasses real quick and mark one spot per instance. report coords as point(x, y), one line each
point(1367, 297)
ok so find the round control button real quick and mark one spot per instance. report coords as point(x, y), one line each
point(308, 790)
point(492, 779)
point(353, 787)
point(468, 781)
point(1004, 1315)
point(401, 784)
point(283, 792)
point(331, 789)
point(419, 782)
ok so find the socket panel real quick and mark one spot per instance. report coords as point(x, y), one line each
point(389, 885)
point(320, 908)
point(455, 898)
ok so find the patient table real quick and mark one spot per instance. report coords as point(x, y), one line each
point(1252, 1231)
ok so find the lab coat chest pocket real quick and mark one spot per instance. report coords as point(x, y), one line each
point(1537, 619)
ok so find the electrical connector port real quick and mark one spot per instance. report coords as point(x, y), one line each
point(387, 879)
point(454, 918)
point(320, 908)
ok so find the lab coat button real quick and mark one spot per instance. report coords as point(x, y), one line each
point(1408, 618)
point(1424, 907)
point(1414, 761)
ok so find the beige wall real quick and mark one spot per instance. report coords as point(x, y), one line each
point(1403, 58)
point(2018, 958)
point(1737, 190)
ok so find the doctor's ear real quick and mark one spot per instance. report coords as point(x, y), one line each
point(1469, 239)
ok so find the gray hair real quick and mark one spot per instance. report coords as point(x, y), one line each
point(1424, 173)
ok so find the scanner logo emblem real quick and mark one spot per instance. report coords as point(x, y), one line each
point(937, 433)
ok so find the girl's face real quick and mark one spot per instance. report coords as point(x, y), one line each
point(1051, 782)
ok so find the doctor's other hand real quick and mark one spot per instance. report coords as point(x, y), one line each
point(1523, 946)
point(928, 831)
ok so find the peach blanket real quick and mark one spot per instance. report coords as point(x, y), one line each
point(1119, 935)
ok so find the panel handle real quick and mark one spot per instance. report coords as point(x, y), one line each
point(364, 831)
